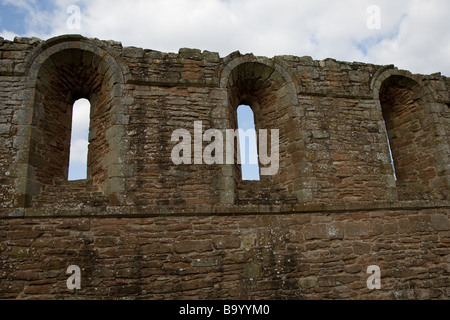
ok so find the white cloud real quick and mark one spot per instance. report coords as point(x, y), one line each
point(22, 4)
point(78, 151)
point(6, 34)
point(80, 128)
point(423, 41)
point(413, 34)
point(80, 117)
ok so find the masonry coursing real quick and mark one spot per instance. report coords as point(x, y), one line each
point(142, 227)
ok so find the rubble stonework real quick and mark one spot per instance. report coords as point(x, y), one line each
point(141, 226)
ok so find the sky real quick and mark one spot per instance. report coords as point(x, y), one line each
point(411, 34)
point(248, 143)
point(79, 139)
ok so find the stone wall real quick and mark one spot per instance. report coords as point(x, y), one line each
point(141, 226)
point(320, 255)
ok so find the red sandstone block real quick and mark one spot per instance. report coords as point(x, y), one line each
point(192, 246)
point(226, 242)
point(355, 230)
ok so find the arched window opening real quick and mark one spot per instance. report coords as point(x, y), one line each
point(248, 150)
point(410, 137)
point(79, 141)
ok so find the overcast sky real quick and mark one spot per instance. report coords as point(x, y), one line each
point(411, 34)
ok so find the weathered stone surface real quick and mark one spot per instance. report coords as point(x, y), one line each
point(308, 282)
point(192, 246)
point(144, 227)
point(440, 222)
point(226, 242)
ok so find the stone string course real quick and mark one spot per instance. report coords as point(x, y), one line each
point(141, 227)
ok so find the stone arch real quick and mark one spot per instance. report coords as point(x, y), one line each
point(60, 71)
point(406, 107)
point(268, 88)
point(386, 72)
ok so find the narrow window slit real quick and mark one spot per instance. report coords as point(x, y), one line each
point(390, 151)
point(248, 143)
point(79, 141)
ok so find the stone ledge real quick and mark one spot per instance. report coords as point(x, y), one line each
point(221, 210)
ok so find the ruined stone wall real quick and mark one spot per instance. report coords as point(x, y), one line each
point(141, 226)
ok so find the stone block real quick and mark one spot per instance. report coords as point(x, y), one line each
point(440, 222)
point(360, 248)
point(304, 195)
point(188, 53)
point(420, 223)
point(308, 282)
point(355, 230)
point(212, 262)
point(335, 230)
point(212, 57)
point(114, 185)
point(315, 232)
point(352, 269)
point(192, 246)
point(6, 66)
point(252, 271)
point(249, 240)
point(226, 242)
point(133, 52)
point(227, 197)
point(115, 131)
point(5, 128)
